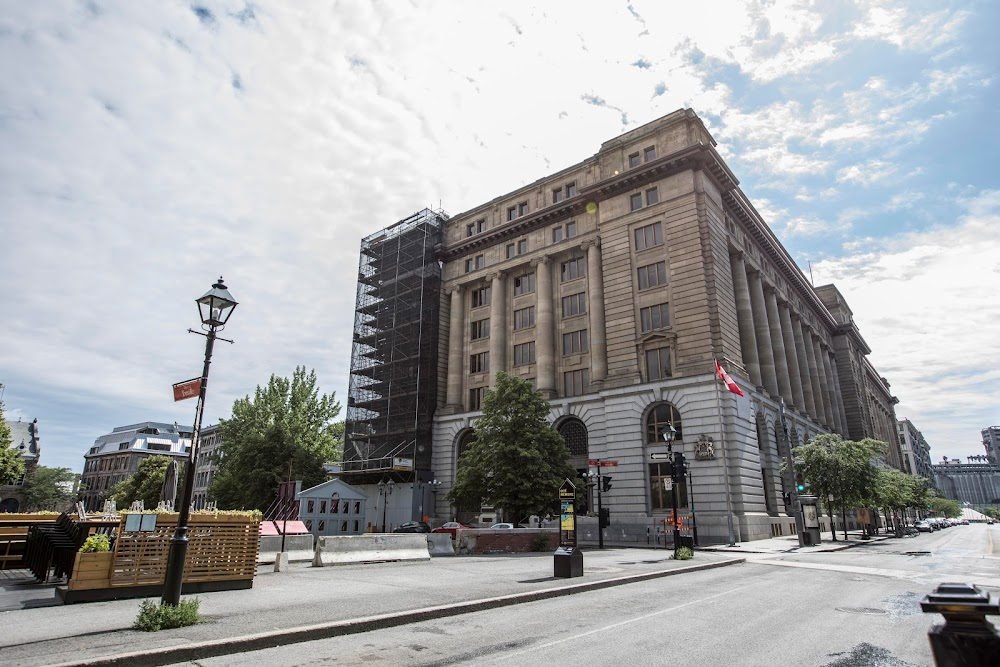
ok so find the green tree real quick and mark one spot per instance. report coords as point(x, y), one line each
point(288, 420)
point(950, 509)
point(11, 464)
point(146, 484)
point(517, 461)
point(48, 489)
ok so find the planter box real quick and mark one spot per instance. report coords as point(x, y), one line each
point(91, 570)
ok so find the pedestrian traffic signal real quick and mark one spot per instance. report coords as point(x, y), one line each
point(605, 482)
point(787, 497)
point(800, 482)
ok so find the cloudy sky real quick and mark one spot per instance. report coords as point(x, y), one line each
point(148, 147)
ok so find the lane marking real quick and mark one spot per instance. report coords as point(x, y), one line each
point(624, 623)
point(916, 577)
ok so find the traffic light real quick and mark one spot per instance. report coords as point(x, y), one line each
point(787, 497)
point(605, 519)
point(679, 469)
point(605, 483)
point(800, 482)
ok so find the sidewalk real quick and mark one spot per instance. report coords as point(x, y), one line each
point(790, 544)
point(307, 603)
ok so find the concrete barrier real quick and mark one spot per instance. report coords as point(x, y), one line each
point(298, 547)
point(440, 544)
point(370, 548)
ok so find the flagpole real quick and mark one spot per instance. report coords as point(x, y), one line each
point(725, 456)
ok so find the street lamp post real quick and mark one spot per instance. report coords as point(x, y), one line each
point(386, 491)
point(595, 479)
point(668, 435)
point(215, 307)
point(435, 484)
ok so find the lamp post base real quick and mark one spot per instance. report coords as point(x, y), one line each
point(173, 580)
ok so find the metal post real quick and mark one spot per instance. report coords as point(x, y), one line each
point(694, 523)
point(673, 497)
point(966, 639)
point(172, 581)
point(794, 493)
point(600, 508)
point(284, 528)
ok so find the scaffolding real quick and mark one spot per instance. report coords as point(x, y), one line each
point(393, 384)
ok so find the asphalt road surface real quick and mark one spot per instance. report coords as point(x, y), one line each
point(854, 608)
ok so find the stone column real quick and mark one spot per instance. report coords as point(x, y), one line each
point(595, 307)
point(456, 350)
point(744, 315)
point(765, 353)
point(778, 345)
point(840, 394)
point(824, 384)
point(545, 353)
point(838, 401)
point(800, 352)
point(820, 414)
point(831, 388)
point(498, 326)
point(791, 355)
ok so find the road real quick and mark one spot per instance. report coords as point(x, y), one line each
point(854, 608)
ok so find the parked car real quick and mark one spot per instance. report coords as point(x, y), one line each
point(413, 527)
point(502, 526)
point(923, 527)
point(449, 528)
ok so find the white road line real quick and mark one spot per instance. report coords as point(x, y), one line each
point(623, 623)
point(991, 581)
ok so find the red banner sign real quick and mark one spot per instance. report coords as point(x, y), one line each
point(594, 463)
point(187, 389)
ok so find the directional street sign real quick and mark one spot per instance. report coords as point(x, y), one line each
point(660, 457)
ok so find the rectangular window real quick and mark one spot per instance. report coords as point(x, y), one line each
point(652, 196)
point(510, 250)
point(480, 329)
point(633, 160)
point(649, 236)
point(557, 195)
point(477, 262)
point(357, 508)
point(524, 354)
point(524, 318)
point(557, 234)
point(524, 284)
point(572, 269)
point(575, 382)
point(522, 209)
point(575, 342)
point(649, 154)
point(511, 213)
point(480, 297)
point(635, 201)
point(322, 507)
point(570, 190)
point(570, 229)
point(310, 507)
point(479, 363)
point(658, 363)
point(652, 275)
point(655, 317)
point(522, 246)
point(660, 499)
point(477, 227)
point(574, 304)
point(476, 398)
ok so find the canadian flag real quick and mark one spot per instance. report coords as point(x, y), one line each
point(724, 376)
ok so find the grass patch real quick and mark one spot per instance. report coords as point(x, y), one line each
point(684, 553)
point(153, 616)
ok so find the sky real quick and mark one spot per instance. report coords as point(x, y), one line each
point(146, 148)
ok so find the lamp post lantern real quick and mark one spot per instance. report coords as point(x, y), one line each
point(386, 491)
point(668, 436)
point(215, 307)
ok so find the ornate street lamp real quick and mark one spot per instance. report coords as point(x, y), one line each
point(386, 491)
point(668, 436)
point(215, 308)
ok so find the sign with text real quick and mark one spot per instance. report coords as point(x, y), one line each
point(567, 514)
point(187, 389)
point(399, 463)
point(597, 463)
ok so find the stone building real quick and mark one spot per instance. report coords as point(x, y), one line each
point(613, 286)
point(976, 483)
point(915, 450)
point(25, 440)
point(116, 456)
point(991, 441)
point(209, 458)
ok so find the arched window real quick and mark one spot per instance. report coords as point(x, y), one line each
point(657, 420)
point(464, 442)
point(575, 433)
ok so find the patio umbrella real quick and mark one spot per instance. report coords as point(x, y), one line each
point(168, 493)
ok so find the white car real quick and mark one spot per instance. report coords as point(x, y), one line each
point(501, 526)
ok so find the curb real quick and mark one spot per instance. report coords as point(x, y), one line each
point(796, 550)
point(256, 642)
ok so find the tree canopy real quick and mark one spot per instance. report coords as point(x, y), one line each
point(517, 461)
point(11, 464)
point(146, 484)
point(287, 420)
point(48, 489)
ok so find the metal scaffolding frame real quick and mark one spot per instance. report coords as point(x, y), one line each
point(393, 383)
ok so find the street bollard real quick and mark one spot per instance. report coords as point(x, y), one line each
point(966, 639)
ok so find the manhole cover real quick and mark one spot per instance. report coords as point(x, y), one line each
point(861, 610)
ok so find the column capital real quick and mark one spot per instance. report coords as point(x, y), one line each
point(737, 253)
point(543, 260)
point(454, 288)
point(594, 242)
point(496, 275)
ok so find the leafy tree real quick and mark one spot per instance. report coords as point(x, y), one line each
point(288, 420)
point(517, 461)
point(950, 509)
point(48, 489)
point(146, 484)
point(11, 464)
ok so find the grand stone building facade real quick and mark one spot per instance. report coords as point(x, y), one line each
point(915, 450)
point(612, 286)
